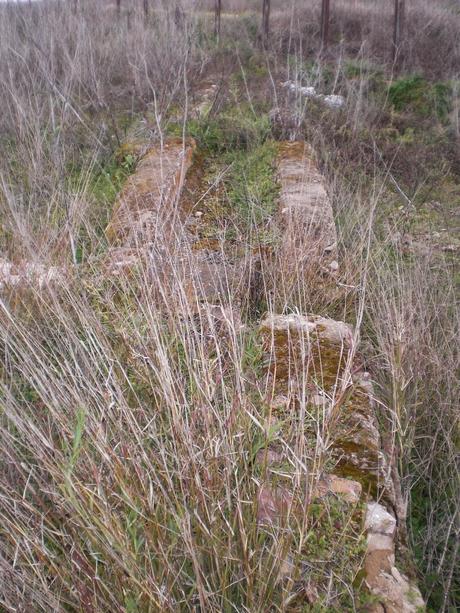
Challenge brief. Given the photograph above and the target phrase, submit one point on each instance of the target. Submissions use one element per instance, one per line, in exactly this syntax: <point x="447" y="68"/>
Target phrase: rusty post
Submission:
<point x="325" y="21"/>
<point x="398" y="31"/>
<point x="265" y="20"/>
<point x="217" y="18"/>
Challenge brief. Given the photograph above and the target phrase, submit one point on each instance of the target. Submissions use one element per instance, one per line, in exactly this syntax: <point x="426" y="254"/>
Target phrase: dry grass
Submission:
<point x="130" y="423"/>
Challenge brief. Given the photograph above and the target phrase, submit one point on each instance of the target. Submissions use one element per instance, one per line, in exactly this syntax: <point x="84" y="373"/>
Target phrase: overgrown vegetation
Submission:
<point x="238" y="189"/>
<point x="129" y="431"/>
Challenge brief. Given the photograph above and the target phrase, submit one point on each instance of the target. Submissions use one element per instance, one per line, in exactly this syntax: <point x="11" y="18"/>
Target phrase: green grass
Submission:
<point x="237" y="160"/>
<point x="243" y="195"/>
<point x="235" y="128"/>
<point x="332" y="523"/>
<point x="251" y="185"/>
<point x="100" y="183"/>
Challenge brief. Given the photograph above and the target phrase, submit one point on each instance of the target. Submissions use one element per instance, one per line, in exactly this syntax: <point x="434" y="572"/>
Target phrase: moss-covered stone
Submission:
<point x="298" y="346"/>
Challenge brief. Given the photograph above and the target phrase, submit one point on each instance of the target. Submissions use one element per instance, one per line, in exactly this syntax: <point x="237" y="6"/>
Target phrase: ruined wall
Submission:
<point x="312" y="368"/>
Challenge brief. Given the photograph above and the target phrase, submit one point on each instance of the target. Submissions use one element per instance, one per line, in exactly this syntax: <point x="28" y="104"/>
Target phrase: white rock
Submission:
<point x="364" y="381"/>
<point x="308" y="92"/>
<point x="397" y="593"/>
<point x="349" y="490"/>
<point x="379" y="520"/>
<point x="334" y="265"/>
<point x="336" y="332"/>
<point x="29" y="273"/>
<point x="381" y="542"/>
<point x="334" y="102"/>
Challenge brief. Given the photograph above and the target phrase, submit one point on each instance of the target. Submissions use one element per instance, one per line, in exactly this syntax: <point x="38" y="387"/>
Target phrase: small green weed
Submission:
<point x="101" y="183"/>
<point x="235" y="129"/>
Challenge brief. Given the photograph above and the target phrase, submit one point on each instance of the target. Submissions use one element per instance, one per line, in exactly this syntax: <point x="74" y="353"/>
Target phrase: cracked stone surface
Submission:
<point x="151" y="223"/>
<point x="305" y="343"/>
<point x="309" y="235"/>
<point x="149" y="199"/>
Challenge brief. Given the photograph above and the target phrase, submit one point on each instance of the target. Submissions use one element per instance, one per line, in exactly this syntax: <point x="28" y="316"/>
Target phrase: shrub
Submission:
<point x="415" y="94"/>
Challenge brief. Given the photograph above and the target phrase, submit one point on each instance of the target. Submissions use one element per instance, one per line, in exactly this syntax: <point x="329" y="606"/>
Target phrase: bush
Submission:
<point x="415" y="94"/>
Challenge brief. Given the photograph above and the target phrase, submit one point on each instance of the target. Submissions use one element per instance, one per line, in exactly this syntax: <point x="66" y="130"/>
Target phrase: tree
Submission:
<point x="265" y="19"/>
<point x="146" y="8"/>
<point x="325" y="20"/>
<point x="218" y="14"/>
<point x="118" y="8"/>
<point x="398" y="31"/>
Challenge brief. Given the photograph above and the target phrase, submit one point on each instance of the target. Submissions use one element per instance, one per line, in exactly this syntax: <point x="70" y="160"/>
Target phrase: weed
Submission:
<point x="101" y="183"/>
<point x="231" y="130"/>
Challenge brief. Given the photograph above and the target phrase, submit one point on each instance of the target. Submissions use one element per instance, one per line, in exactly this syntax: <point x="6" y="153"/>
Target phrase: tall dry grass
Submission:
<point x="129" y="422"/>
<point x="70" y="82"/>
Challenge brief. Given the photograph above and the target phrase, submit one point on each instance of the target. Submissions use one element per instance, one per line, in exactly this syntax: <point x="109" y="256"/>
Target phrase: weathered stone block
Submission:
<point x="299" y="346"/>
